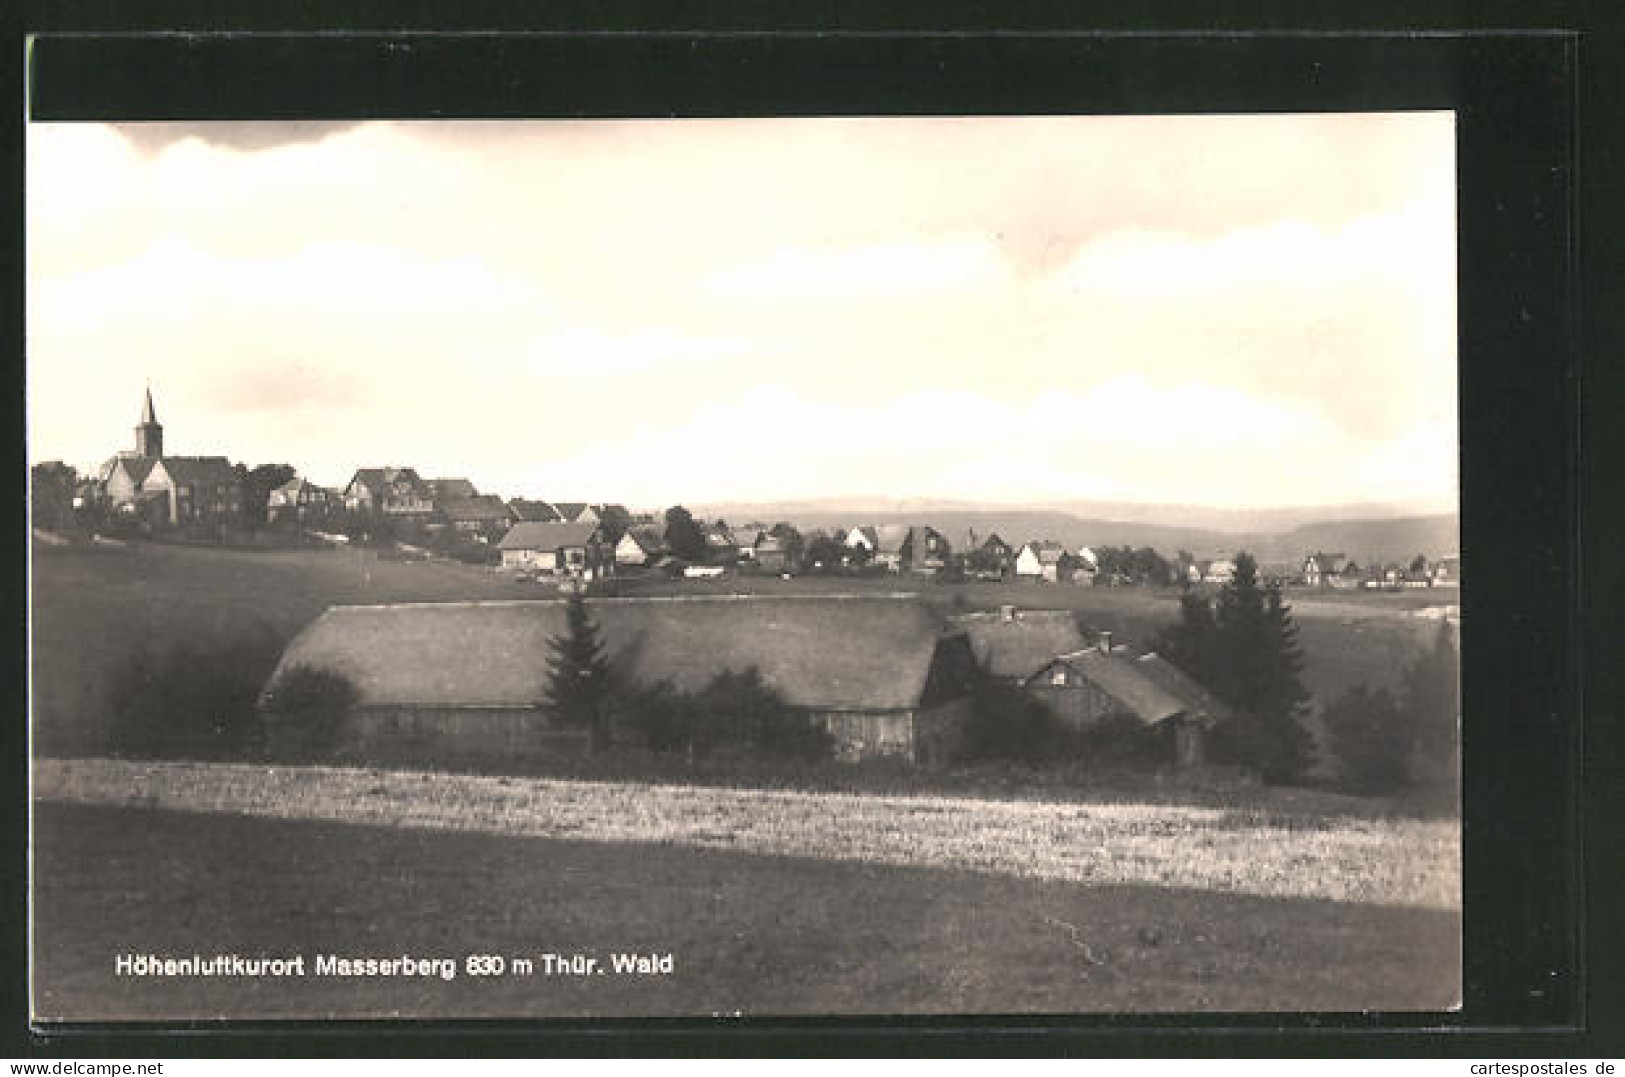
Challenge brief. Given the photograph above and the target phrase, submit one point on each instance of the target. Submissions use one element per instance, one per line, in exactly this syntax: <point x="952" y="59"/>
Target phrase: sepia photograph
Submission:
<point x="735" y="567"/>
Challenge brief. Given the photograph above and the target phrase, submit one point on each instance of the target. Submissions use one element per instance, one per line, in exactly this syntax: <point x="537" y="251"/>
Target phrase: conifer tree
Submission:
<point x="578" y="678"/>
<point x="1245" y="650"/>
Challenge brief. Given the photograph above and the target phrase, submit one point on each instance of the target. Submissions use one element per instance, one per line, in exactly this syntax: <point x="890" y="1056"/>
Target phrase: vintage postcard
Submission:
<point x="795" y="566"/>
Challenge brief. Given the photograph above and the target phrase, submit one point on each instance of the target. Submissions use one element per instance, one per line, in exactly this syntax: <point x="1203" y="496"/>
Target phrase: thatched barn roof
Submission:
<point x="1017" y="643"/>
<point x="821" y="652"/>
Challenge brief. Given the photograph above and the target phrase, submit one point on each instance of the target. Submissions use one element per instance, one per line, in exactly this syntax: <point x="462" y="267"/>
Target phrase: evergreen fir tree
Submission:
<point x="1285" y="699"/>
<point x="1245" y="650"/>
<point x="578" y="678"/>
<point x="1192" y="643"/>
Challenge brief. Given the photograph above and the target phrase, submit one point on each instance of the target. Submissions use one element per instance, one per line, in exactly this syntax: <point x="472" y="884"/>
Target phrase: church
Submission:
<point x="173" y="490"/>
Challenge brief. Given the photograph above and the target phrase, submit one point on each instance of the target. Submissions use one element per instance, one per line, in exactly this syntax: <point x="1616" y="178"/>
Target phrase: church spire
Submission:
<point x="149" y="433"/>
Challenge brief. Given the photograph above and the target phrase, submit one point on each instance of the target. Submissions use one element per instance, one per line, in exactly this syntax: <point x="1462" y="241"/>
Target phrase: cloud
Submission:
<point x="152" y="137"/>
<point x="876" y="273"/>
<point x="1127" y="438"/>
<point x="959" y="307"/>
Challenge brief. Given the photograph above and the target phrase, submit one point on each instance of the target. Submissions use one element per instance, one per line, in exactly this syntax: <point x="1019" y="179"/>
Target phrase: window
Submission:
<point x="1058" y="677"/>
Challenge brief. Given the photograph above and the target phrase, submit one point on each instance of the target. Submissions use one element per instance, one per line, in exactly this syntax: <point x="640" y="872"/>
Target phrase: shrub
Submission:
<point x="735" y="712"/>
<point x="306" y="712"/>
<point x="1007" y="724"/>
<point x="1371" y="739"/>
<point x="193" y="701"/>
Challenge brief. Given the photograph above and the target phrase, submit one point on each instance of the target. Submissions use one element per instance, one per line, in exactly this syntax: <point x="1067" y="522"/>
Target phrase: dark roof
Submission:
<point x="451" y="489"/>
<point x="137" y="467"/>
<point x="1199" y="702"/>
<point x="200" y="470"/>
<point x="1019" y="647"/>
<point x="376" y="478"/>
<point x="569" y="510"/>
<point x="531" y="535"/>
<point x="647" y="537"/>
<point x="534" y="511"/>
<point x="1122" y="678"/>
<point x="822" y="652"/>
<point x="479" y="507"/>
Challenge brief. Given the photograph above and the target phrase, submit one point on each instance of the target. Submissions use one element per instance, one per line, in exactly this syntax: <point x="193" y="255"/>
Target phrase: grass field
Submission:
<point x="1275" y="853"/>
<point x="748" y="933"/>
<point x="92" y="606"/>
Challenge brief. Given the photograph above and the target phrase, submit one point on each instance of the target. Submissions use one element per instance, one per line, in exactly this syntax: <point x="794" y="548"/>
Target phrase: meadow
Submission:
<point x="1377" y="860"/>
<point x="750" y="934"/>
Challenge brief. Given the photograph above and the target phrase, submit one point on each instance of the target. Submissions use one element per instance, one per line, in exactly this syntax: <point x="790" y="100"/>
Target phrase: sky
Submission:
<point x="1231" y="311"/>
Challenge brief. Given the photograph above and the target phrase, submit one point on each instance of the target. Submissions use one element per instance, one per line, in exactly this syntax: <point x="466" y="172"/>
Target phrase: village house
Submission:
<point x="172" y="490"/>
<point x="894" y="547"/>
<point x="576" y="512"/>
<point x="556" y="549"/>
<point x="299" y="499"/>
<point x="1087" y="566"/>
<point x="639" y="546"/>
<point x="1447" y="572"/>
<point x="771" y="552"/>
<point x="1045" y="560"/>
<point x="1012" y="644"/>
<point x="394" y="492"/>
<point x="721" y="547"/>
<point x="747" y="538"/>
<point x="877" y="671"/>
<point x="862" y="541"/>
<point x="1327" y="569"/>
<point x="527" y="511"/>
<point x="1085" y="688"/>
<point x="484" y="516"/>
<point x="441" y="490"/>
<point x="986" y="558"/>
<point x="1219" y="570"/>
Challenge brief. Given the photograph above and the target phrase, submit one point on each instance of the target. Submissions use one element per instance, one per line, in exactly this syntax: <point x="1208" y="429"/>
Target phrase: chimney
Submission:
<point x="1007" y="614"/>
<point x="1105" y="642"/>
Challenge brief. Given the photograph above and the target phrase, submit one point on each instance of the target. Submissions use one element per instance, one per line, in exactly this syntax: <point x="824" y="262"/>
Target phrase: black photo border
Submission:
<point x="1530" y="972"/>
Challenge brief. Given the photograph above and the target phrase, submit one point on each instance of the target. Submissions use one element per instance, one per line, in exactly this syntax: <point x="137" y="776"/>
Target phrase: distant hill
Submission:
<point x="1368" y="539"/>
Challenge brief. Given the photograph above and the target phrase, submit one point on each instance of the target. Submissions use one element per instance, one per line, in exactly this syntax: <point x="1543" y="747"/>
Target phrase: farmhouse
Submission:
<point x="878" y="671"/>
<point x="576" y="512"/>
<point x="527" y="511"/>
<point x="556" y="549"/>
<point x="1326" y="569"/>
<point x="639" y="546"/>
<point x="1086" y="687"/>
<point x="720" y="545"/>
<point x="1045" y="560"/>
<point x="894" y="547"/>
<point x="1014" y="644"/>
<point x="1222" y="570"/>
<point x="770" y="552"/>
<point x="450" y="489"/>
<point x="389" y="491"/>
<point x="988" y="557"/>
<point x="298" y="499"/>
<point x="484" y="515"/>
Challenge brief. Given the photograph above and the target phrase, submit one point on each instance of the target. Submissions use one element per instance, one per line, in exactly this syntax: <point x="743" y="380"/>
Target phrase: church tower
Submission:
<point x="149" y="435"/>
